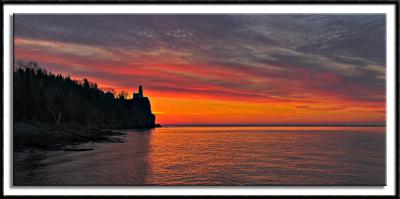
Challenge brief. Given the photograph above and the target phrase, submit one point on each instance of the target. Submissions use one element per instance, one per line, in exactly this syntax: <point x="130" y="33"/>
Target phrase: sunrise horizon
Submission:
<point x="195" y="75"/>
<point x="245" y="99"/>
<point x="272" y="124"/>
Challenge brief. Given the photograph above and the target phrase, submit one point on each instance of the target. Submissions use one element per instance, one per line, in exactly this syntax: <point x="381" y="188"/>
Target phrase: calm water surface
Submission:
<point x="217" y="156"/>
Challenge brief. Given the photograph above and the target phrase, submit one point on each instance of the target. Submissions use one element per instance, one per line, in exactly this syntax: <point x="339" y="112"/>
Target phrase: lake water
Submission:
<point x="217" y="156"/>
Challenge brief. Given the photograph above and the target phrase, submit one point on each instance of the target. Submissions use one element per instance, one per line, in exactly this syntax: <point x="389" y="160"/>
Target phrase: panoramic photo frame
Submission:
<point x="42" y="54"/>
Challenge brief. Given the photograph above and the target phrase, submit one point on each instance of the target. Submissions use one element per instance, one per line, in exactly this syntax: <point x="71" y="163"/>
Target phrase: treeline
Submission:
<point x="41" y="96"/>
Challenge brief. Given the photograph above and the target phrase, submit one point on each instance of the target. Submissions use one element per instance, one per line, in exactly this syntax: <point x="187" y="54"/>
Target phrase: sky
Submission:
<point x="222" y="69"/>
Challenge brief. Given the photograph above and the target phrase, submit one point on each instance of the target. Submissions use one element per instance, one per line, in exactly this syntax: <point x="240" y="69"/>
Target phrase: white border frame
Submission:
<point x="389" y="10"/>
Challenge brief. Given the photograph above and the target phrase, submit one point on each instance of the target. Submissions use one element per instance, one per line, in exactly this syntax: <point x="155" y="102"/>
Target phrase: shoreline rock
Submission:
<point x="41" y="136"/>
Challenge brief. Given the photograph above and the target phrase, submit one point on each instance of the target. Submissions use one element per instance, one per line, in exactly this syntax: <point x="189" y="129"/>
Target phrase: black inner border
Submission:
<point x="218" y="2"/>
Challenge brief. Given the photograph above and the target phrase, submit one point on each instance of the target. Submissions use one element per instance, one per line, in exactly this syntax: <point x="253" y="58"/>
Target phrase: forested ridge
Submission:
<point x="44" y="97"/>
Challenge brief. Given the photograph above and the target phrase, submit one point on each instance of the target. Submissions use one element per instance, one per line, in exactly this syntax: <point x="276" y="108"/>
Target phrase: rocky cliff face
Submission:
<point x="142" y="115"/>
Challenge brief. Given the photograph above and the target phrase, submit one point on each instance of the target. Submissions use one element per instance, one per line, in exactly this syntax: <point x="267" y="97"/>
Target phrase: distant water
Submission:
<point x="217" y="156"/>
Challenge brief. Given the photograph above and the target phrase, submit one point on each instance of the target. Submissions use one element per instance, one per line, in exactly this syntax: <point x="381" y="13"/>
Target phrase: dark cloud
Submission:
<point x="341" y="54"/>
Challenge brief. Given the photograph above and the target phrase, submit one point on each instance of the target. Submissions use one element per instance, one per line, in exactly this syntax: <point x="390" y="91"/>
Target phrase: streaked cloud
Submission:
<point x="323" y="63"/>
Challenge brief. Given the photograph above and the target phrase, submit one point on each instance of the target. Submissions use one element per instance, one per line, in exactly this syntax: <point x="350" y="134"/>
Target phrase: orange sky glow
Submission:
<point x="208" y="83"/>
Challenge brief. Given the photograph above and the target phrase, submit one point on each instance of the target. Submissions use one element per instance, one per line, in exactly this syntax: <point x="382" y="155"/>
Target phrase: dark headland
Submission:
<point x="52" y="111"/>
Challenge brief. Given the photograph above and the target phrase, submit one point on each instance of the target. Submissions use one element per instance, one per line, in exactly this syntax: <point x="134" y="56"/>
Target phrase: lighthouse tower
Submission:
<point x="138" y="95"/>
<point x="140" y="91"/>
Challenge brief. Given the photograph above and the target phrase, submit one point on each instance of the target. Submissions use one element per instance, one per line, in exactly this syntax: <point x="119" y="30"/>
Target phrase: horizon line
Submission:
<point x="277" y="125"/>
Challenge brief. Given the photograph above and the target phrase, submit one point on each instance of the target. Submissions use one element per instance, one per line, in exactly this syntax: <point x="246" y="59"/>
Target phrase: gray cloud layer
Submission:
<point x="349" y="48"/>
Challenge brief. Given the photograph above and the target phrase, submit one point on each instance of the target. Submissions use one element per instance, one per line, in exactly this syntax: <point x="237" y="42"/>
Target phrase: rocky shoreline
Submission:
<point x="29" y="136"/>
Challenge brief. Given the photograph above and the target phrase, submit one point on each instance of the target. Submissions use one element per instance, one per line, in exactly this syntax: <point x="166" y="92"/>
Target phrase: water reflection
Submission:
<point x="26" y="172"/>
<point x="109" y="164"/>
<point x="218" y="156"/>
<point x="268" y="156"/>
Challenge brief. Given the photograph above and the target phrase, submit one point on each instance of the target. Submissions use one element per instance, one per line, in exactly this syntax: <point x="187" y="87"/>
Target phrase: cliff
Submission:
<point x="142" y="115"/>
<point x="41" y="96"/>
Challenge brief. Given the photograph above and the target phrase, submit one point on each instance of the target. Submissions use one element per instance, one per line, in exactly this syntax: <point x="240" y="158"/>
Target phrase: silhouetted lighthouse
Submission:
<point x="140" y="91"/>
<point x="140" y="94"/>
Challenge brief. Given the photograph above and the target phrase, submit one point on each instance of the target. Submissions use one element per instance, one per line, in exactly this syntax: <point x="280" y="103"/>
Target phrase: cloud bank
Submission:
<point x="275" y="59"/>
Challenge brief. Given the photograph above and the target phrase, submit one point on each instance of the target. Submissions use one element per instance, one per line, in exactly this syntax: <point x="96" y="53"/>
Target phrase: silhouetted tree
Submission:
<point x="44" y="97"/>
<point x="123" y="95"/>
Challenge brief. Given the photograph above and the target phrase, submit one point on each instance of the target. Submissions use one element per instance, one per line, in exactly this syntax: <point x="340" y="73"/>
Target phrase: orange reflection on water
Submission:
<point x="217" y="156"/>
<point x="267" y="155"/>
